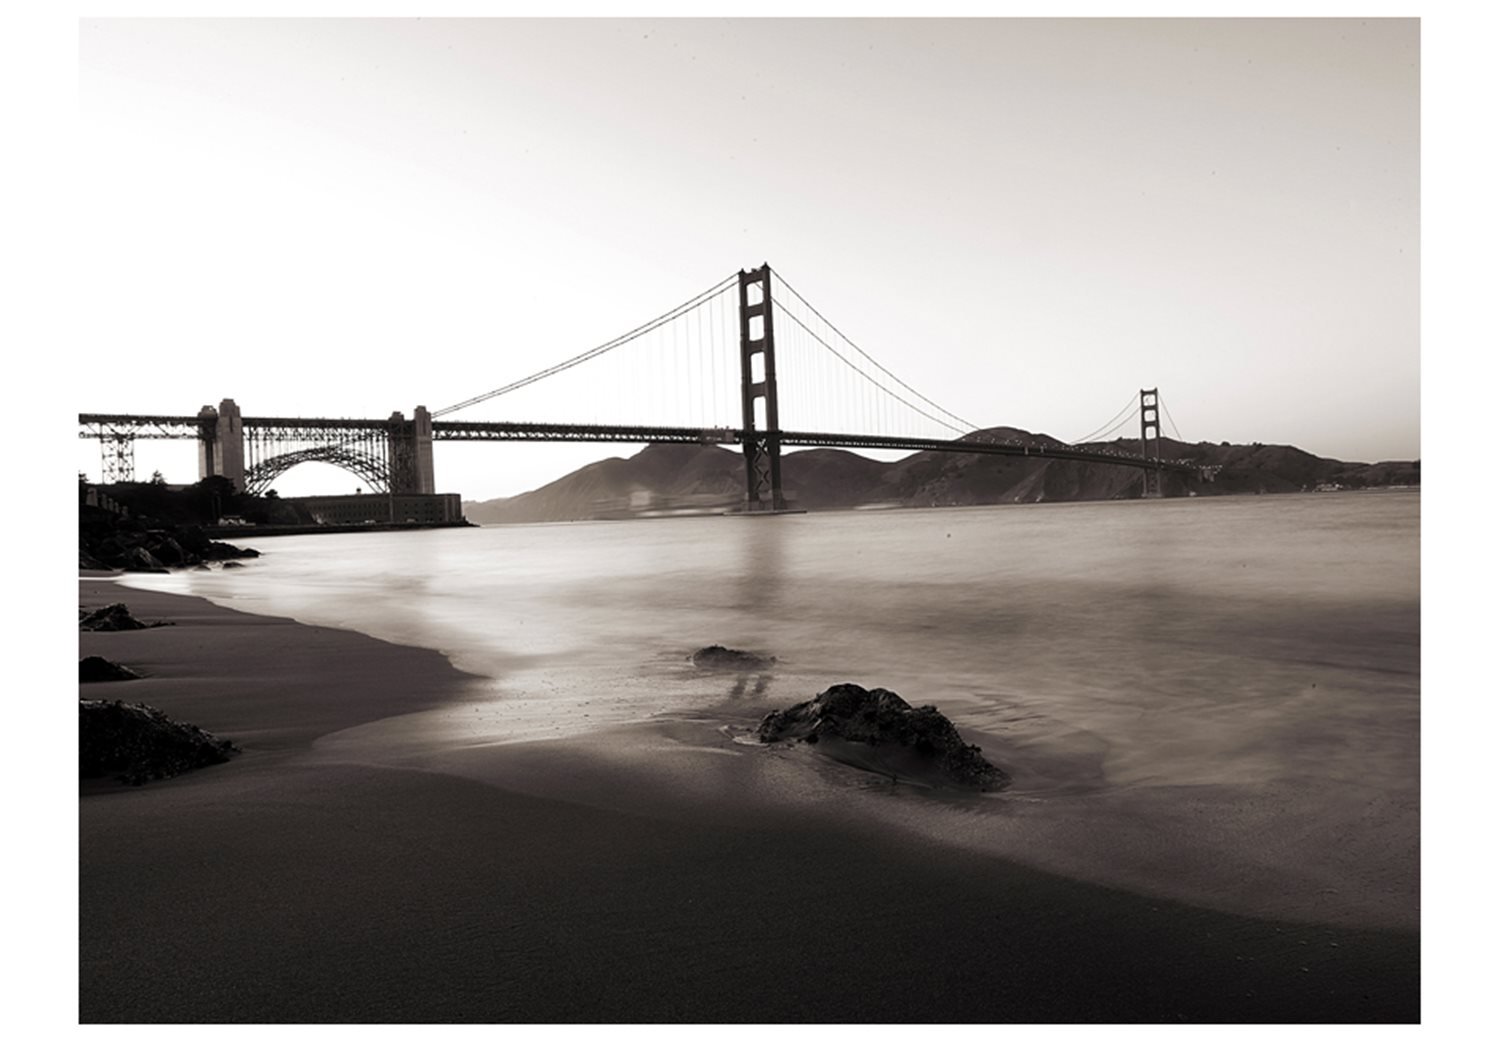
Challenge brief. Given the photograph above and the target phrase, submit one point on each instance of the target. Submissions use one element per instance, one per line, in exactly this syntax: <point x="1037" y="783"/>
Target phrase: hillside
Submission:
<point x="707" y="478"/>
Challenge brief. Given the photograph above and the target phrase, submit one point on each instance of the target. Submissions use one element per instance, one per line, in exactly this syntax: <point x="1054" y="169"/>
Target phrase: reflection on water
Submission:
<point x="761" y="567"/>
<point x="1229" y="671"/>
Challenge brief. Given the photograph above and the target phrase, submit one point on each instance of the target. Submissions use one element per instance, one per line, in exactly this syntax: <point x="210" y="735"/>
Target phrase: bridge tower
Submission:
<point x="221" y="443"/>
<point x="1150" y="444"/>
<point x="409" y="453"/>
<point x="762" y="441"/>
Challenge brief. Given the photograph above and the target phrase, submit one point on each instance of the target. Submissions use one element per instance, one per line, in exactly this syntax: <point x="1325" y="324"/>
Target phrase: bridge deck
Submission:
<point x="102" y="425"/>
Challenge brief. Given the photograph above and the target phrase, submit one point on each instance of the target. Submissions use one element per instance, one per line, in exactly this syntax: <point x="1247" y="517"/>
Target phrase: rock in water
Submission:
<point x="716" y="656"/>
<point x="225" y="552"/>
<point x="138" y="743"/>
<point x="94" y="669"/>
<point x="882" y="719"/>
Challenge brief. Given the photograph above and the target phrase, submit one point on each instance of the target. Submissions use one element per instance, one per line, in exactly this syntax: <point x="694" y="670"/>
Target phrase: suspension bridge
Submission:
<point x="747" y="363"/>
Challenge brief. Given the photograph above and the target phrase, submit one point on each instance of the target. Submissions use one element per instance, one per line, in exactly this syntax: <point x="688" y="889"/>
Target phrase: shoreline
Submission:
<point x="302" y="882"/>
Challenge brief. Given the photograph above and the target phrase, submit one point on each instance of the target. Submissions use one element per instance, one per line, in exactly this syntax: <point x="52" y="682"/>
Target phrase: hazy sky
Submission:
<point x="1028" y="220"/>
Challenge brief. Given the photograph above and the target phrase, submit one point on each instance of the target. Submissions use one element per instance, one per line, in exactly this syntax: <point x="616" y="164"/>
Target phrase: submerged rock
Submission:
<point x="138" y="743"/>
<point x="112" y="618"/>
<point x="94" y="669"/>
<point x="883" y="720"/>
<point x="716" y="656"/>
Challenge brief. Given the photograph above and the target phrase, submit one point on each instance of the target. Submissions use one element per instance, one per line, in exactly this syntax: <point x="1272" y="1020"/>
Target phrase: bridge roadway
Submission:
<point x="95" y="425"/>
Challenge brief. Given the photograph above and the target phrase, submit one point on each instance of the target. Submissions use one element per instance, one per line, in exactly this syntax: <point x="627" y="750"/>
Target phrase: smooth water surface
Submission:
<point x="1194" y="696"/>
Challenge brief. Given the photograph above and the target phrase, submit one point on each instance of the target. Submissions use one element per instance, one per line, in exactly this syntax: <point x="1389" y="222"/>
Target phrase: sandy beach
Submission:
<point x="625" y="877"/>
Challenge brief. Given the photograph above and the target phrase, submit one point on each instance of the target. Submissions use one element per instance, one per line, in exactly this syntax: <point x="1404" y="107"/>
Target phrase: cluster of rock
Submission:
<point x="716" y="656"/>
<point x="111" y="619"/>
<point x="138" y="743"/>
<point x="130" y="545"/>
<point x="95" y="669"/>
<point x="878" y="717"/>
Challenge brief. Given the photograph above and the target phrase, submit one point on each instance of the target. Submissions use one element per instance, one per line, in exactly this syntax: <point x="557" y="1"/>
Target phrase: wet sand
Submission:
<point x="627" y="877"/>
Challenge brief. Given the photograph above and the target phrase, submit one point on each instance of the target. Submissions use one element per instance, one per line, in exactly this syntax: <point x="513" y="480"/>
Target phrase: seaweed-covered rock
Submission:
<point x="114" y="617"/>
<point x="883" y="719"/>
<point x="716" y="656"/>
<point x="138" y="743"/>
<point x="94" y="669"/>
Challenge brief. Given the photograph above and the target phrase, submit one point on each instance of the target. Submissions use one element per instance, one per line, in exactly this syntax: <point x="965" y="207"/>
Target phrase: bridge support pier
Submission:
<point x="1150" y="445"/>
<point x="762" y="442"/>
<point x="409" y="453"/>
<point x="221" y="443"/>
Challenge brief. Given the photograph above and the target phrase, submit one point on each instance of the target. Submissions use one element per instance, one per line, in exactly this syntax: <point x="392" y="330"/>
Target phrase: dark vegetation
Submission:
<point x="924" y="740"/>
<point x="667" y="478"/>
<point x="137" y="743"/>
<point x="151" y="526"/>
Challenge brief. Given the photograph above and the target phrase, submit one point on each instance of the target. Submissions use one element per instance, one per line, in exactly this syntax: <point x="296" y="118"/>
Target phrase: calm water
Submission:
<point x="1214" y="699"/>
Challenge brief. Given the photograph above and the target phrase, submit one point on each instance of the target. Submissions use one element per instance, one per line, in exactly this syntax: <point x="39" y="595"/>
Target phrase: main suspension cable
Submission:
<point x="1168" y="415"/>
<point x="595" y="352"/>
<point x="866" y="375"/>
<point x="1105" y="435"/>
<point x="967" y="427"/>
<point x="1106" y="426"/>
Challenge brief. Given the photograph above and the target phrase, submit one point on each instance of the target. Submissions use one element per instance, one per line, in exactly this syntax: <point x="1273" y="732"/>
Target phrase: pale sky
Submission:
<point x="1027" y="220"/>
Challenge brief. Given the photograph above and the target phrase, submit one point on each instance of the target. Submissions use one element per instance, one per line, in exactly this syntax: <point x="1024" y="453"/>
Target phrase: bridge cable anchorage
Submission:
<point x="877" y="384"/>
<point x="1118" y="420"/>
<point x="968" y="427"/>
<point x="595" y="352"/>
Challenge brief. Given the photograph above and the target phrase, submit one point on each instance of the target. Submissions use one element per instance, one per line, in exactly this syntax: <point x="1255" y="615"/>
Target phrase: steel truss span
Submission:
<point x="93" y="425"/>
<point x="375" y="473"/>
<point x="117" y="425"/>
<point x="271" y="445"/>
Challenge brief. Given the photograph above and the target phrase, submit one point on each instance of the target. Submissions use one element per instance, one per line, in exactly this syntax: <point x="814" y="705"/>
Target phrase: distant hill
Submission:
<point x="686" y="478"/>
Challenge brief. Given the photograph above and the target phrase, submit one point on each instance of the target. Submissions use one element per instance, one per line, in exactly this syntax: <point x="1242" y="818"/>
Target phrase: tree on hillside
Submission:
<point x="211" y="497"/>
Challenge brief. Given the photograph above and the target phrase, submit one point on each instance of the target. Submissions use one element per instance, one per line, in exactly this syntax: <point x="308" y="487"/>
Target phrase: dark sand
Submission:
<point x="292" y="885"/>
